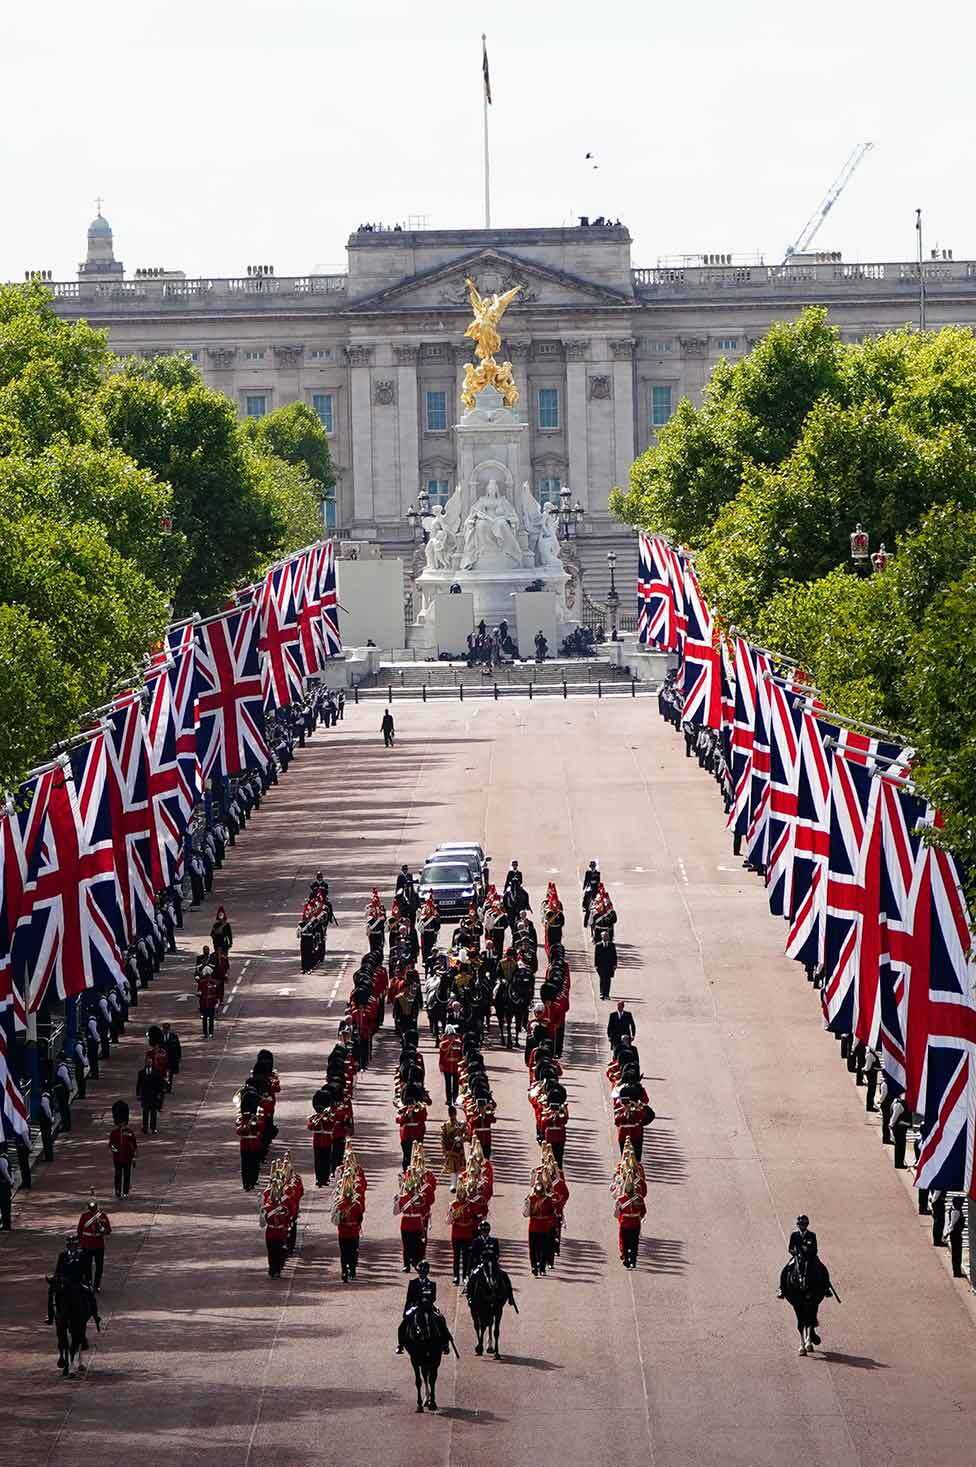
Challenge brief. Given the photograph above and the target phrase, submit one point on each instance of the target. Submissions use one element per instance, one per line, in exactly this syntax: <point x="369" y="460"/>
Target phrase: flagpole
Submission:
<point x="484" y="104"/>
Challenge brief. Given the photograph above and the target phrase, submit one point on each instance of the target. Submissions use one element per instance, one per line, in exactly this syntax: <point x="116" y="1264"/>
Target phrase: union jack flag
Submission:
<point x="749" y="666"/>
<point x="310" y="610"/>
<point x="784" y="740"/>
<point x="14" y="1112"/>
<point x="280" y="644"/>
<point x="902" y="816"/>
<point x="71" y="929"/>
<point x="131" y="813"/>
<point x="702" y="674"/>
<point x="331" y="637"/>
<point x="230" y="703"/>
<point x="20" y="832"/>
<point x="853" y="892"/>
<point x="759" y="774"/>
<point x="940" y="1037"/>
<point x="811" y="839"/>
<point x="657" y="624"/>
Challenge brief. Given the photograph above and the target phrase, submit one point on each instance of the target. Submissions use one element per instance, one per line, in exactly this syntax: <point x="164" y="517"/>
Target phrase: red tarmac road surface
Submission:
<point x="688" y="1360"/>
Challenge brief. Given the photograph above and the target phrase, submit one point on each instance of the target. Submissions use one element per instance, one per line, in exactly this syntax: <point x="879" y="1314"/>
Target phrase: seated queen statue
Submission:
<point x="491" y="533"/>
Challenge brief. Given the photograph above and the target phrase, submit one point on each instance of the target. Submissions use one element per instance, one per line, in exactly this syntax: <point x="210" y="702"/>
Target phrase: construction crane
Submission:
<point x="810" y="230"/>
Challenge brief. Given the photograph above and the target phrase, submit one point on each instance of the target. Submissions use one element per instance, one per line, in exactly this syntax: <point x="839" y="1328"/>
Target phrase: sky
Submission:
<point x="225" y="134"/>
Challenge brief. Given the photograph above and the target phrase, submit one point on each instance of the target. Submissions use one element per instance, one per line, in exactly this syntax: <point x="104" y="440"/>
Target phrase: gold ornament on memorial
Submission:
<point x="483" y="331"/>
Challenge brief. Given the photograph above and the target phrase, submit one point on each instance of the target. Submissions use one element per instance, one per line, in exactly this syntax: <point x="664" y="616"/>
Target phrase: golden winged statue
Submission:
<point x="483" y="331"/>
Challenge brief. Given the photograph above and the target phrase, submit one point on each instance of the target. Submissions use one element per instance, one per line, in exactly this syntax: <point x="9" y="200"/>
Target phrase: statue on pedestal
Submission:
<point x="491" y="531"/>
<point x="441" y="543"/>
<point x="483" y="331"/>
<point x="548" y="553"/>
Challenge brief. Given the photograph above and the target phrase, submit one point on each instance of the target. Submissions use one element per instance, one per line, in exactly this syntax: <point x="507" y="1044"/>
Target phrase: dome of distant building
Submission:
<point x="99" y="228"/>
<point x="100" y="256"/>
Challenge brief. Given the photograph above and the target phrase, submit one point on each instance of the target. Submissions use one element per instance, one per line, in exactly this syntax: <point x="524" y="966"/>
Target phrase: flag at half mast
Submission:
<point x="484" y="69"/>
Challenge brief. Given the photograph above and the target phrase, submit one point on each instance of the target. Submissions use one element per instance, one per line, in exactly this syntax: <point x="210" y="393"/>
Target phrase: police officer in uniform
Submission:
<point x="421" y="1296"/>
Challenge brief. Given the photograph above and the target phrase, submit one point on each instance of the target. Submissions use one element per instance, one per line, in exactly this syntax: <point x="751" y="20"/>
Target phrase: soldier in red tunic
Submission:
<point x="463" y="1217"/>
<point x="321" y="1123"/>
<point x="347" y="1214"/>
<point x="276" y="1221"/>
<point x="250" y="1131"/>
<point x="630" y="1209"/>
<point x="122" y="1143"/>
<point x="540" y="1210"/>
<point x="93" y="1228"/>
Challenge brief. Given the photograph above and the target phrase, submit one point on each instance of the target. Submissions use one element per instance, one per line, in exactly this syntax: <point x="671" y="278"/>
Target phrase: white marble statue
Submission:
<point x="491" y="530"/>
<point x="441" y="543"/>
<point x="530" y="511"/>
<point x="547" y="552"/>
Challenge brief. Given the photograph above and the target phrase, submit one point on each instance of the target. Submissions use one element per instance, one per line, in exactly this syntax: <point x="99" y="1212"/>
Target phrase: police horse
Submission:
<point x="74" y="1306"/>
<point x="488" y="1290"/>
<point x="805" y="1284"/>
<point x="427" y="1338"/>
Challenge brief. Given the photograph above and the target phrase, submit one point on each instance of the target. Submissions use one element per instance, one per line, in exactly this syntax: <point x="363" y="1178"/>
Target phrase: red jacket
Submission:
<point x="208" y="992"/>
<point x="464" y="1220"/>
<point x="123" y="1144"/>
<point x="629" y="1211"/>
<point x="414" y="1210"/>
<point x="93" y="1228"/>
<point x="322" y="1127"/>
<point x="249" y="1130"/>
<point x="412" y="1120"/>
<point x="542" y="1214"/>
<point x="450" y="1051"/>
<point x="157" y="1057"/>
<point x="350" y="1217"/>
<point x="277" y="1222"/>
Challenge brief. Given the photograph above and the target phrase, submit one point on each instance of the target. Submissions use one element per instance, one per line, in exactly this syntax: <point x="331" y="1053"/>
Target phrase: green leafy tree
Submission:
<point x="295" y="434"/>
<point x="294" y="501"/>
<point x="751" y="415"/>
<point x="160" y="413"/>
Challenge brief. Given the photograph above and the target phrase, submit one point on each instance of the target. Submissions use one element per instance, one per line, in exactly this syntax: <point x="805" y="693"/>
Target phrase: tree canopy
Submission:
<point x="97" y="457"/>
<point x="792" y="447"/>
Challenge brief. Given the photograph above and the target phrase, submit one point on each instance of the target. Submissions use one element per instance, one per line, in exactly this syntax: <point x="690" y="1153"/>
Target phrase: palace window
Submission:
<point x="438" y="491"/>
<point x="323" y="405"/>
<point x="254" y="356"/>
<point x="548" y="407"/>
<point x="547" y="490"/>
<point x="436" y="412"/>
<point x="256" y="404"/>
<point x="660" y="348"/>
<point x="329" y="510"/>
<point x="727" y="343"/>
<point x="661" y="408"/>
<point x="321" y="354"/>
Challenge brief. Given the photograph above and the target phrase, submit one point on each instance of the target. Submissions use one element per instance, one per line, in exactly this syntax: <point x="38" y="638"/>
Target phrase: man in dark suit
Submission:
<point x="149" y="1092"/>
<point x="605" y="962"/>
<point x="619" y="1024"/>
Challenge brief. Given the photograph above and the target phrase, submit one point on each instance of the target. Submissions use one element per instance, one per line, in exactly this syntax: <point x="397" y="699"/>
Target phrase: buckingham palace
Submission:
<point x="602" y="350"/>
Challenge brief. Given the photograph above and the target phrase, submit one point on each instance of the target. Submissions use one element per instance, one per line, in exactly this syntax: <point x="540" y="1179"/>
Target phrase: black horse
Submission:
<point x="427" y="1339"/>
<point x="521" y="991"/>
<point x="504" y="1012"/>
<point x="488" y="1290"/>
<point x="805" y="1283"/>
<point x="74" y="1305"/>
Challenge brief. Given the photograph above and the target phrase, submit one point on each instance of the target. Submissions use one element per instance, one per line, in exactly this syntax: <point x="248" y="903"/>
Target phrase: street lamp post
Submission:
<point x="859" y="548"/>
<point x="569" y="516"/>
<point x="613" y="596"/>
<point x="418" y="515"/>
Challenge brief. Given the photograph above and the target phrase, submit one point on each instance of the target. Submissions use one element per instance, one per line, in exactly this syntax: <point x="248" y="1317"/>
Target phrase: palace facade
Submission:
<point x="602" y="350"/>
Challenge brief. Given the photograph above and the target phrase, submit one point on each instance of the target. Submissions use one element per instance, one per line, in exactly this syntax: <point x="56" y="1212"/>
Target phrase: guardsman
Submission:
<point x="321" y="1123"/>
<point x="412" y="1121"/>
<point x="276" y="1221"/>
<point x="122" y="1143"/>
<point x="208" y="991"/>
<point x="250" y="1132"/>
<point x="413" y="1208"/>
<point x="453" y="1136"/>
<point x="540" y="1210"/>
<point x="464" y="1221"/>
<point x="347" y="1214"/>
<point x="449" y="1058"/>
<point x="630" y="1208"/>
<point x="93" y="1228"/>
<point x="630" y="1115"/>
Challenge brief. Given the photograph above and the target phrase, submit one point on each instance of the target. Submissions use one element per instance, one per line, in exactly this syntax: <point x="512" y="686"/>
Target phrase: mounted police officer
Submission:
<point x="419" y="1305"/>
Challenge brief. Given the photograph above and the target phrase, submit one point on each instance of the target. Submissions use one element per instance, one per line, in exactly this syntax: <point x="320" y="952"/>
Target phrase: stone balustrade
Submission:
<point x="800" y="278"/>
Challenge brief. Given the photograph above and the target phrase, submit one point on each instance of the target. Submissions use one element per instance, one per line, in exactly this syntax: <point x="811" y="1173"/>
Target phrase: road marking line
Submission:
<point x="681" y="871"/>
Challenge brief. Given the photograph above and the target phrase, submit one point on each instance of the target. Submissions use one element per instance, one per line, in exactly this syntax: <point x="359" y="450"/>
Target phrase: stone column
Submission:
<point x="623" y="409"/>
<point x="408" y="457"/>
<point x="361" y="424"/>
<point x="518" y="353"/>
<point x="577" y="352"/>
<point x="461" y="355"/>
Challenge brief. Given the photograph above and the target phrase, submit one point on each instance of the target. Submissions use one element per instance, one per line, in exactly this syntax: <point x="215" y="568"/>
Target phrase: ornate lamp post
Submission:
<point x="613" y="596"/>
<point x="569" y="517"/>
<point x="859" y="547"/>
<point x="418" y="515"/>
<point x="880" y="558"/>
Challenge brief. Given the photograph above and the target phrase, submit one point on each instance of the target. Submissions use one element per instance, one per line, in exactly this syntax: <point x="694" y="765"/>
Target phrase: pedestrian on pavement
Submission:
<point x="123" y="1146"/>
<point x="45" y="1121"/>
<point x="6" y="1190"/>
<point x="605" y="962"/>
<point x="174" y="1054"/>
<point x="953" y="1234"/>
<point x="387" y="728"/>
<point x="901" y="1119"/>
<point x="93" y="1228"/>
<point x="620" y="1025"/>
<point x="61" y="1090"/>
<point x="937" y="1207"/>
<point x="149" y="1093"/>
